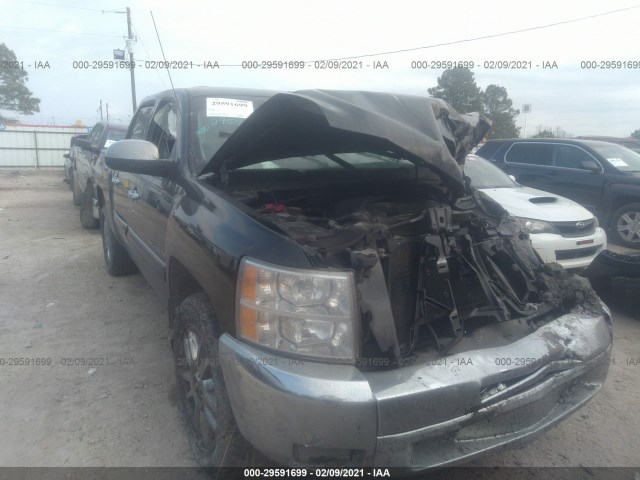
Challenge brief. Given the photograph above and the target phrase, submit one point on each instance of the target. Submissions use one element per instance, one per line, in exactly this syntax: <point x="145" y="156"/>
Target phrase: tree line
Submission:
<point x="457" y="87"/>
<point x="14" y="94"/>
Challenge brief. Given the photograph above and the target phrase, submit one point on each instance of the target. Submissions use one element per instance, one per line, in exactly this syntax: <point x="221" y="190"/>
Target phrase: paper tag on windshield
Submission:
<point x="229" y="107"/>
<point x="617" y="162"/>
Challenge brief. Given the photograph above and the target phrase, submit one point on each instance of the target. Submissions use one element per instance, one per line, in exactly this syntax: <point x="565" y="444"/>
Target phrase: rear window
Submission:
<point x="531" y="154"/>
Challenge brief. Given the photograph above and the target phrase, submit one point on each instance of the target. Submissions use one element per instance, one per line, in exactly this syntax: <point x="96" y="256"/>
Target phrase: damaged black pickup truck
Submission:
<point x="337" y="291"/>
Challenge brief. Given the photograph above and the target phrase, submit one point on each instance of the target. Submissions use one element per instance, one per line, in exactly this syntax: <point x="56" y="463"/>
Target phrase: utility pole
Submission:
<point x="130" y="44"/>
<point x="101" y="110"/>
<point x="107" y="113"/>
<point x="131" y="64"/>
<point x="526" y="108"/>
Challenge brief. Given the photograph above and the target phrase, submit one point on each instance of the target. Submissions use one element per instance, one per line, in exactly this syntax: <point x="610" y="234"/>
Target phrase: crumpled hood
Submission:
<point x="424" y="130"/>
<point x="531" y="203"/>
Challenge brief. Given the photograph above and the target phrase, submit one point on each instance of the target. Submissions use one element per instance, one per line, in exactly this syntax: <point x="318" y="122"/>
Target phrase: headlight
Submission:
<point x="537" y="226"/>
<point x="304" y="312"/>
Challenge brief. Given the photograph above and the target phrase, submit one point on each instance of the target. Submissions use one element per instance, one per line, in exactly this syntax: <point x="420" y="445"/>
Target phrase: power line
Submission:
<point x="165" y="58"/>
<point x="138" y="37"/>
<point x="484" y="37"/>
<point x="61" y="6"/>
<point x="61" y="31"/>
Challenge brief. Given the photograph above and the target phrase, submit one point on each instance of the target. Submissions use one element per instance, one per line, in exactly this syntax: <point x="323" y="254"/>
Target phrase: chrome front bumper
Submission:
<point x="432" y="413"/>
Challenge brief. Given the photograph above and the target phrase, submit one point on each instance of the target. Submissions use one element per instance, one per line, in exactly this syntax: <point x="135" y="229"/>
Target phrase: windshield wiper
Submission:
<point x="338" y="160"/>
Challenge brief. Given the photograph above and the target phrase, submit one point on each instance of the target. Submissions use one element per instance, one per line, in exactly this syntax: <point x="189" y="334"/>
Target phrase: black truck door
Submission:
<point x="123" y="186"/>
<point x="152" y="197"/>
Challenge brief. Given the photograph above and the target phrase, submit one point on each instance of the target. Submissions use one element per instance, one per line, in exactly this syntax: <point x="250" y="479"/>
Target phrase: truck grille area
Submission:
<point x="402" y="284"/>
<point x="576" y="229"/>
<point x="426" y="273"/>
<point x="443" y="285"/>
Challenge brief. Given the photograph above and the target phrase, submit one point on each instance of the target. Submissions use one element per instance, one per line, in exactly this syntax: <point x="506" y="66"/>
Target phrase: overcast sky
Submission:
<point x="580" y="100"/>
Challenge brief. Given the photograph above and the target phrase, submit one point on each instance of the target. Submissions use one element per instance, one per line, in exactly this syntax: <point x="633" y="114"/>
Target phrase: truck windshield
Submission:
<point x="213" y="118"/>
<point x="333" y="161"/>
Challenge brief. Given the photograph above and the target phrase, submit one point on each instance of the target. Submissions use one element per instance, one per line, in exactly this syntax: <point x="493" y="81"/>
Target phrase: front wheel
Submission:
<point x="67" y="177"/>
<point x="75" y="192"/>
<point x="626" y="225"/>
<point x="86" y="210"/>
<point x="212" y="430"/>
<point x="116" y="258"/>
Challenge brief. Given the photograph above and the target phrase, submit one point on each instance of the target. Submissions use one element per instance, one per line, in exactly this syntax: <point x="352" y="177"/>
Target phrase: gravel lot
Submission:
<point x="57" y="302"/>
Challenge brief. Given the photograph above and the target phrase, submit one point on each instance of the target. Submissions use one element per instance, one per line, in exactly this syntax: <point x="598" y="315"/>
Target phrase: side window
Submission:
<point x="96" y="133"/>
<point x="568" y="156"/>
<point x="140" y="122"/>
<point x="162" y="129"/>
<point x="530" y="153"/>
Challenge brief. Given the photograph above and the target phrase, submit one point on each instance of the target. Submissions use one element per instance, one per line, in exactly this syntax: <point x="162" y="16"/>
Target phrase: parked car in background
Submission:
<point x="561" y="230"/>
<point x="337" y="293"/>
<point x="629" y="142"/>
<point x="68" y="159"/>
<point x="86" y="153"/>
<point x="603" y="177"/>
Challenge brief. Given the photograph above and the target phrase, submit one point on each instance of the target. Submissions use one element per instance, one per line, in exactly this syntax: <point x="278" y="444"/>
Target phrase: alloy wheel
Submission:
<point x="199" y="388"/>
<point x="629" y="226"/>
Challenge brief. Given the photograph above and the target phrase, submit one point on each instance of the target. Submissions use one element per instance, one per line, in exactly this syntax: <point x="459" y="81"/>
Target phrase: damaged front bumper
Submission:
<point x="569" y="252"/>
<point x="434" y="412"/>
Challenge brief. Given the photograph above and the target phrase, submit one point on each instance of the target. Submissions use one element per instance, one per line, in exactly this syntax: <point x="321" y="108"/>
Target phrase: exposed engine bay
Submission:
<point x="434" y="259"/>
<point x="439" y="270"/>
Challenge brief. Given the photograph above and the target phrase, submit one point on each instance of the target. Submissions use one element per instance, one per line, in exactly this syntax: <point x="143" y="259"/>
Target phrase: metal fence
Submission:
<point x="35" y="146"/>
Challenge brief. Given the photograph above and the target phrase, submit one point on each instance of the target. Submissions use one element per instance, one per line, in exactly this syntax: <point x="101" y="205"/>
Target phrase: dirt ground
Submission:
<point x="103" y="393"/>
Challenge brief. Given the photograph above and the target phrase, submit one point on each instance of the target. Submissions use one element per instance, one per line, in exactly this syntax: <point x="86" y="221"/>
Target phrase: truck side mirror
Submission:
<point x="137" y="156"/>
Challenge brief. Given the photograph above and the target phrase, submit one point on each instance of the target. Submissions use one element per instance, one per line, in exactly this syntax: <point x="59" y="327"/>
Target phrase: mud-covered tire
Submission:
<point x="213" y="434"/>
<point x="75" y="192"/>
<point x="116" y="259"/>
<point x="86" y="211"/>
<point x="625" y="225"/>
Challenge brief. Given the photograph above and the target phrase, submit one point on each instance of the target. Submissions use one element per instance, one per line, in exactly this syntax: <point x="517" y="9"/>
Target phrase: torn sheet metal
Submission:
<point x="424" y="130"/>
